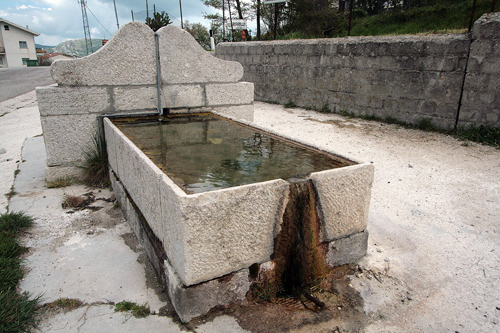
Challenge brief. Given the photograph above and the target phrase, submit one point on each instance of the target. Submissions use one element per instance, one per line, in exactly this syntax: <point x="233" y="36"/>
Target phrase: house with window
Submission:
<point x="17" y="44"/>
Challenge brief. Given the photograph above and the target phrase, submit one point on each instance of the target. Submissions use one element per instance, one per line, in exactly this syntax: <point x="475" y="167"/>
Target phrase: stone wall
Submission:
<point x="121" y="78"/>
<point x="405" y="77"/>
<point x="481" y="98"/>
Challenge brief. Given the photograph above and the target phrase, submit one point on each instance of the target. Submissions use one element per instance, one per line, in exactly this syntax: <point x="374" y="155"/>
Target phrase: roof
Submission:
<point x="19" y="27"/>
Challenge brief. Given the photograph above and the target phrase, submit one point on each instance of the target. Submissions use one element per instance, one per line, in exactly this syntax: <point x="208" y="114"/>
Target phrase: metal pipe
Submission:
<point x="116" y="14"/>
<point x="472" y="16"/>
<point x="158" y="75"/>
<point x="180" y="7"/>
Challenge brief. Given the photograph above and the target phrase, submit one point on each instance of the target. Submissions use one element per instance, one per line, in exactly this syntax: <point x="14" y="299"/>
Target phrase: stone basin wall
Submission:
<point x="208" y="241"/>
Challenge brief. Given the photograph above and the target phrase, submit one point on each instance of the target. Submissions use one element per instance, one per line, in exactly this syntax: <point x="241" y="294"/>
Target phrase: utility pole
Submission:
<point x="223" y="22"/>
<point x="180" y="6"/>
<point x="86" y="30"/>
<point x="230" y="19"/>
<point x="258" y="19"/>
<point x="116" y="14"/>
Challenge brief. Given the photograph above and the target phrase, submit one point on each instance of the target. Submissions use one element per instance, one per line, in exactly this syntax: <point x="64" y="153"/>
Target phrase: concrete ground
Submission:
<point x="433" y="256"/>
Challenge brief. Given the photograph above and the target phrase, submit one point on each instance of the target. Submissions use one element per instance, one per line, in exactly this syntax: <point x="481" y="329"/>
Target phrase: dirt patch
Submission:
<point x="343" y="310"/>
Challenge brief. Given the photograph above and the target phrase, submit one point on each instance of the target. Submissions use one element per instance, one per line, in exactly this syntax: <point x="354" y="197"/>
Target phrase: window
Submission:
<point x="6" y="27"/>
<point x="25" y="61"/>
<point x="23" y="45"/>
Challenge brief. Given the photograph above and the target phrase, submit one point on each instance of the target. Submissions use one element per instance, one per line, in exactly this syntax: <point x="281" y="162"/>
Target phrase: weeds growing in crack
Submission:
<point x="137" y="310"/>
<point x="67" y="304"/>
<point x="60" y="182"/>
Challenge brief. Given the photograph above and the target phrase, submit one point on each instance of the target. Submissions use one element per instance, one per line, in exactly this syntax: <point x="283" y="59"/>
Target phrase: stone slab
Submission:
<point x="229" y="93"/>
<point x="173" y="232"/>
<point x="66" y="137"/>
<point x="348" y="249"/>
<point x="236" y="112"/>
<point x="183" y="60"/>
<point x="54" y="101"/>
<point x="109" y="135"/>
<point x="135" y="98"/>
<point x="128" y="58"/>
<point x="183" y="96"/>
<point x="344" y="198"/>
<point x="230" y="229"/>
<point x="53" y="173"/>
<point x="197" y="300"/>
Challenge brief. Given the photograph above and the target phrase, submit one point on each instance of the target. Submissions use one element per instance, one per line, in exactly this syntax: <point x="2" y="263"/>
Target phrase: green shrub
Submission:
<point x="95" y="166"/>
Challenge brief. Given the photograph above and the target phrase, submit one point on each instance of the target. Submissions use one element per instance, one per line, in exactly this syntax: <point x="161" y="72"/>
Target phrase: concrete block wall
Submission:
<point x="405" y="77"/>
<point x="122" y="78"/>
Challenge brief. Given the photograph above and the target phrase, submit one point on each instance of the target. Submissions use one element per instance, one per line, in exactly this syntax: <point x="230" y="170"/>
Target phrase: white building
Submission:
<point x="17" y="44"/>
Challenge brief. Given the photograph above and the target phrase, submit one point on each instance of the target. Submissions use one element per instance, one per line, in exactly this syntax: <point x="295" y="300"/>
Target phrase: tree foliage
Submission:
<point x="159" y="19"/>
<point x="239" y="10"/>
<point x="199" y="32"/>
<point x="315" y="18"/>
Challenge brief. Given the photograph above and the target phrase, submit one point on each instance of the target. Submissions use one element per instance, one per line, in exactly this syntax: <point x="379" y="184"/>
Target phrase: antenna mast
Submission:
<point x="86" y="30"/>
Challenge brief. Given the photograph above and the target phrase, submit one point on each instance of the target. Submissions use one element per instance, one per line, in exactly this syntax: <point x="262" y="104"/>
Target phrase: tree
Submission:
<point x="239" y="9"/>
<point x="267" y="13"/>
<point x="159" y="19"/>
<point x="314" y="18"/>
<point x="199" y="32"/>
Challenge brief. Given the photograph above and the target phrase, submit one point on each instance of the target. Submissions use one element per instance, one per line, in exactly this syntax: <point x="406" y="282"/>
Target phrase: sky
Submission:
<point x="59" y="20"/>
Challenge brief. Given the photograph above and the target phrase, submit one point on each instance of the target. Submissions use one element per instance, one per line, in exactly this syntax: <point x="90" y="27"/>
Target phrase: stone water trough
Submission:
<point x="208" y="248"/>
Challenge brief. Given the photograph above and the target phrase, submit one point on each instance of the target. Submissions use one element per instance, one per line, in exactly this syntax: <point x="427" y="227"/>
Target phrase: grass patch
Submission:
<point x="67" y="304"/>
<point x="137" y="310"/>
<point x="272" y="102"/>
<point x="482" y="134"/>
<point x="268" y="292"/>
<point x="17" y="311"/>
<point x="61" y="182"/>
<point x="425" y="124"/>
<point x="395" y="121"/>
<point x="486" y="135"/>
<point x="369" y="117"/>
<point x="10" y="194"/>
<point x="289" y="105"/>
<point x="348" y="114"/>
<point x="451" y="17"/>
<point x="72" y="201"/>
<point x="325" y="108"/>
<point x="16" y="172"/>
<point x="95" y="166"/>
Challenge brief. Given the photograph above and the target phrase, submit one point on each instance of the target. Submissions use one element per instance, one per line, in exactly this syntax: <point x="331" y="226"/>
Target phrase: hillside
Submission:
<point x="72" y="47"/>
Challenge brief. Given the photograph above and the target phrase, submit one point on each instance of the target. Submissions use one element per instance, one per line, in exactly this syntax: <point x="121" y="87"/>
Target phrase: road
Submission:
<point x="18" y="81"/>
